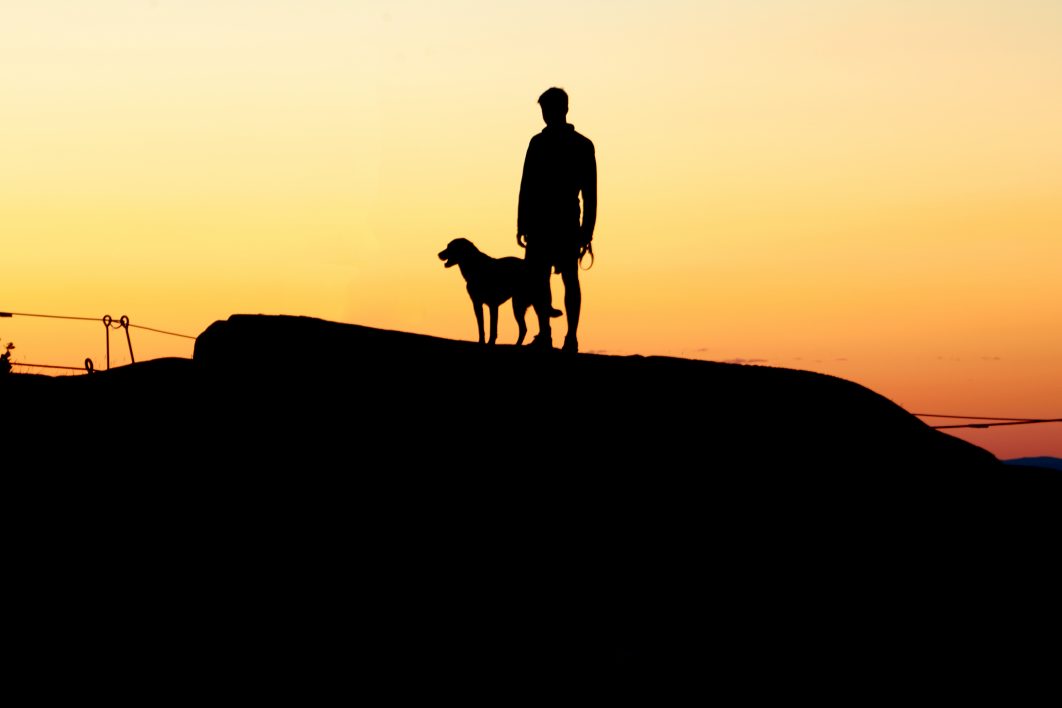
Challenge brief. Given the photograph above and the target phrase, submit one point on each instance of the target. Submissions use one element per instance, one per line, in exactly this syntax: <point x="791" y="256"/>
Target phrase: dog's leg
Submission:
<point x="520" y="312"/>
<point x="478" y="307"/>
<point x="493" y="323"/>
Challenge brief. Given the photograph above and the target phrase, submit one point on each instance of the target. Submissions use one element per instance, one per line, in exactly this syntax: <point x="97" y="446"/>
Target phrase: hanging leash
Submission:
<point x="587" y="250"/>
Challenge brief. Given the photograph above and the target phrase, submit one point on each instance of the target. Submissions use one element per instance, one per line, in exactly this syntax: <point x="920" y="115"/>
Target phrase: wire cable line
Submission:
<point x="109" y="323"/>
<point x="996" y="420"/>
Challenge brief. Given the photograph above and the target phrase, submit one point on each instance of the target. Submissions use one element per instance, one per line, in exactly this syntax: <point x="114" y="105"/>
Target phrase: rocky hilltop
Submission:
<point x="306" y="504"/>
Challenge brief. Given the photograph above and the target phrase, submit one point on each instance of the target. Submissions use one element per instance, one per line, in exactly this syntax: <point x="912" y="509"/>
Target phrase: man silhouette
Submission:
<point x="559" y="166"/>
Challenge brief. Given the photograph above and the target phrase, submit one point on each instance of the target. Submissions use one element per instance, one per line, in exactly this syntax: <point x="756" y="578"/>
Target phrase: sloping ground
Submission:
<point x="530" y="408"/>
<point x="301" y="386"/>
<point x="307" y="505"/>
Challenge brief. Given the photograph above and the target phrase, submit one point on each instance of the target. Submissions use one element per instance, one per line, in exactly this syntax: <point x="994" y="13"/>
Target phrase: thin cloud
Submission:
<point x="739" y="360"/>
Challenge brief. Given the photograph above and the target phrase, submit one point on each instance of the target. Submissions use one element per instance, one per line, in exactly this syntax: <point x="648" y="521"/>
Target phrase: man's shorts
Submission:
<point x="558" y="249"/>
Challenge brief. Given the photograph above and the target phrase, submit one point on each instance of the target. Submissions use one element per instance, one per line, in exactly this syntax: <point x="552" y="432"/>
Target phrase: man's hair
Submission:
<point x="554" y="99"/>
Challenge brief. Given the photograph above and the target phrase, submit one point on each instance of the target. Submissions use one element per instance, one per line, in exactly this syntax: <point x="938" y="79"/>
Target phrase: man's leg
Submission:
<point x="542" y="297"/>
<point x="573" y="301"/>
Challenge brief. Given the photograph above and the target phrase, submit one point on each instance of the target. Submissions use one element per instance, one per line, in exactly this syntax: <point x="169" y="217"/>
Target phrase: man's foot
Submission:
<point x="571" y="345"/>
<point x="541" y="342"/>
<point x="554" y="312"/>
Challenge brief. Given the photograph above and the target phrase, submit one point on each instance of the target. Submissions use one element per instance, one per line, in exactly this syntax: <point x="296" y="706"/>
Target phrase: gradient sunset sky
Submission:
<point x="867" y="189"/>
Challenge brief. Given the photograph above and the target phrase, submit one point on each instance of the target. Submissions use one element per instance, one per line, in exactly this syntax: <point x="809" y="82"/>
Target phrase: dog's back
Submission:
<point x="501" y="279"/>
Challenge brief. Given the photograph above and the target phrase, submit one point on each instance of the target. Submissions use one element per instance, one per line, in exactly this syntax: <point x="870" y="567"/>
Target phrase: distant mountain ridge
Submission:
<point x="1051" y="463"/>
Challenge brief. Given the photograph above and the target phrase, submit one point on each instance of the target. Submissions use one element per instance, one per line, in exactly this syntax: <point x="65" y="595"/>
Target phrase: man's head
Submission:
<point x="554" y="104"/>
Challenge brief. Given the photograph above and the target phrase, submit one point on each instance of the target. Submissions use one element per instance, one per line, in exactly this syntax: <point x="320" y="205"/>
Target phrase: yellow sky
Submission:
<point x="868" y="189"/>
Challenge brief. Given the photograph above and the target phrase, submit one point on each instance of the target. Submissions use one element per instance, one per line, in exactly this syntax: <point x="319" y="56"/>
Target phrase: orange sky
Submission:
<point x="865" y="189"/>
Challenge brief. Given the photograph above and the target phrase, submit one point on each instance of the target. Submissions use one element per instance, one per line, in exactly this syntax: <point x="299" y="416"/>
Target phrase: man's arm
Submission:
<point x="589" y="189"/>
<point x="524" y="204"/>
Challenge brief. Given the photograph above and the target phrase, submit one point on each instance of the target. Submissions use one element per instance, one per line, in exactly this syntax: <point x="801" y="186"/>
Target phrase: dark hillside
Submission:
<point x="306" y="503"/>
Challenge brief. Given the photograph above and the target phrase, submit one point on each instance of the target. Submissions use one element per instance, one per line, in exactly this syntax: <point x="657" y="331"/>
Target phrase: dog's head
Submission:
<point x="457" y="251"/>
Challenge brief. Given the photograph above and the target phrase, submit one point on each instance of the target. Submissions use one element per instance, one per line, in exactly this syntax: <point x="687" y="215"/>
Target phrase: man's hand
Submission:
<point x="585" y="237"/>
<point x="521" y="240"/>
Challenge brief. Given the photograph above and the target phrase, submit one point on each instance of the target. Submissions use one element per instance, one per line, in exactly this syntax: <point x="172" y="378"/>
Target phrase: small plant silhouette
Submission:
<point x="5" y="359"/>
